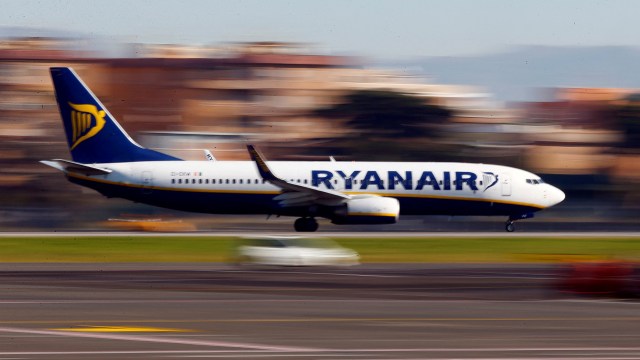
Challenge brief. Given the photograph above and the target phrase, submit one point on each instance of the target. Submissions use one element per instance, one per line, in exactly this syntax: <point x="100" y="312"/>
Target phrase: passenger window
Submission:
<point x="200" y="181"/>
<point x="226" y="181"/>
<point x="193" y="181"/>
<point x="179" y="181"/>
<point x="233" y="181"/>
<point x="173" y="181"/>
<point x="206" y="181"/>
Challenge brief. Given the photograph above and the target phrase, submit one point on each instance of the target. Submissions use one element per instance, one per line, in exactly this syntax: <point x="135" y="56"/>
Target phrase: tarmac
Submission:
<point x="392" y="311"/>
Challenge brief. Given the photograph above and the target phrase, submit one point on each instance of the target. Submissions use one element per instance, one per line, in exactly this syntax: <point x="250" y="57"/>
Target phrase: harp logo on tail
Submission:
<point x="86" y="122"/>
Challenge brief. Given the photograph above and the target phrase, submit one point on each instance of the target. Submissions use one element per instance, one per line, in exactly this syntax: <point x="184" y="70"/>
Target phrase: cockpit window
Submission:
<point x="535" y="181"/>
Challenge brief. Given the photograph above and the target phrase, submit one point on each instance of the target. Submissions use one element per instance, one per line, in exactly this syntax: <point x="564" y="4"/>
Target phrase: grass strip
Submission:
<point x="149" y="248"/>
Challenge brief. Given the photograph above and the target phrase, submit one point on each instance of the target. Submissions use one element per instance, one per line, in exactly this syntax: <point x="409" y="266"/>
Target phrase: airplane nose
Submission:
<point x="554" y="196"/>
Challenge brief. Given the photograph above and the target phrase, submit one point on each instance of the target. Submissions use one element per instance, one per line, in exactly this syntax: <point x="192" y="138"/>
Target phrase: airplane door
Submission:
<point x="506" y="184"/>
<point x="147" y="182"/>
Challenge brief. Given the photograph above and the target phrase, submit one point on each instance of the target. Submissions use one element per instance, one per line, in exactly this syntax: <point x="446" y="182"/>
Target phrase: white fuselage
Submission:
<point x="453" y="188"/>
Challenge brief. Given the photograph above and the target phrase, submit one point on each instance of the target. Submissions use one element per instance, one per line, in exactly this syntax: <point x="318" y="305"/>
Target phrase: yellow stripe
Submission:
<point x="372" y="214"/>
<point x="119" y="329"/>
<point x="444" y="197"/>
<point x="258" y="192"/>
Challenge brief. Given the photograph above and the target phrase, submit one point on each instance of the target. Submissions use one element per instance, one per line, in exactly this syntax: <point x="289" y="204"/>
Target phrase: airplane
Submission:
<point x="105" y="158"/>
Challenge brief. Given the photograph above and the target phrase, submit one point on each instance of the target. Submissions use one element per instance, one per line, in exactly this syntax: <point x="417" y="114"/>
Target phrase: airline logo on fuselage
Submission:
<point x="446" y="180"/>
<point x="86" y="122"/>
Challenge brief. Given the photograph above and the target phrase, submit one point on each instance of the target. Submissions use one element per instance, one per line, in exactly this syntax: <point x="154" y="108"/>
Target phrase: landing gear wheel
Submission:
<point x="510" y="226"/>
<point x="305" y="225"/>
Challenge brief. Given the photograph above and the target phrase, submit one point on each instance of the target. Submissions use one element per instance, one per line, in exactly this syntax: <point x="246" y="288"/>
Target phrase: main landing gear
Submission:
<point x="306" y="224"/>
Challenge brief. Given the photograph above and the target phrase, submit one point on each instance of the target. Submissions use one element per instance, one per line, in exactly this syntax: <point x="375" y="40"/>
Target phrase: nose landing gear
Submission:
<point x="510" y="224"/>
<point x="306" y="224"/>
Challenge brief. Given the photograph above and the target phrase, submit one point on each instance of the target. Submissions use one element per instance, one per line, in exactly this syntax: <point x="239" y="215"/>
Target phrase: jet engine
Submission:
<point x="367" y="210"/>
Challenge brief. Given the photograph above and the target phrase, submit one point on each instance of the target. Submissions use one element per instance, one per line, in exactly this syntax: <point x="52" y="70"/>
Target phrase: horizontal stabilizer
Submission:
<point x="75" y="167"/>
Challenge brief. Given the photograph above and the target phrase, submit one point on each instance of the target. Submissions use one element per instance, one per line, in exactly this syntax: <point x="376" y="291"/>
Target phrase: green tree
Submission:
<point x="628" y="116"/>
<point x="388" y="126"/>
<point x="388" y="114"/>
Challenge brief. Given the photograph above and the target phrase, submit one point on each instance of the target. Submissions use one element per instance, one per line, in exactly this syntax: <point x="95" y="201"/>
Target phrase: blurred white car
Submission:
<point x="293" y="251"/>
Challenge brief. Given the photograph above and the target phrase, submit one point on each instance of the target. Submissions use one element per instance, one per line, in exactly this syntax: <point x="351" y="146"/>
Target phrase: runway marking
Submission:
<point x="597" y="352"/>
<point x="340" y="356"/>
<point x="284" y="272"/>
<point x="153" y="339"/>
<point x="277" y="355"/>
<point x="118" y="352"/>
<point x="240" y="300"/>
<point x="343" y="274"/>
<point x="120" y="329"/>
<point x="328" y="319"/>
<point x="496" y="349"/>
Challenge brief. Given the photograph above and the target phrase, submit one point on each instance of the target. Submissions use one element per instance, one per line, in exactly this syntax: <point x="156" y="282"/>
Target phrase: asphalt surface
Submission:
<point x="417" y="311"/>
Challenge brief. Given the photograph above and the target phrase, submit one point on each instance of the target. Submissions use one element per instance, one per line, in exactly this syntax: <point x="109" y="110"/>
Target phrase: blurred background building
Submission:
<point x="296" y="104"/>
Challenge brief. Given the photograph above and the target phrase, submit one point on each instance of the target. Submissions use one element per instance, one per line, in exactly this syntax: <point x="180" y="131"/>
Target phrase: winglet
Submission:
<point x="208" y="155"/>
<point x="263" y="169"/>
<point x="268" y="175"/>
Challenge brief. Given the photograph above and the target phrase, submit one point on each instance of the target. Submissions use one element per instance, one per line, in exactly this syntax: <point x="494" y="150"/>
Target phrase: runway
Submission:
<point x="415" y="311"/>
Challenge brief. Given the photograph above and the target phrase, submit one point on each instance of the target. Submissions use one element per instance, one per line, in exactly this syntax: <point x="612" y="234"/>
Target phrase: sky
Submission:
<point x="393" y="29"/>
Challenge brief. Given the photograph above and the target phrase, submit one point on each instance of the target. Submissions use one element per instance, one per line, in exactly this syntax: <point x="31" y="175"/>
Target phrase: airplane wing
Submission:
<point x="293" y="194"/>
<point x="72" y="166"/>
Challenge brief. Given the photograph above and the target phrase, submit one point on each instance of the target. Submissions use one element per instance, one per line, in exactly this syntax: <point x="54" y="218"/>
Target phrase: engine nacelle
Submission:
<point x="368" y="210"/>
